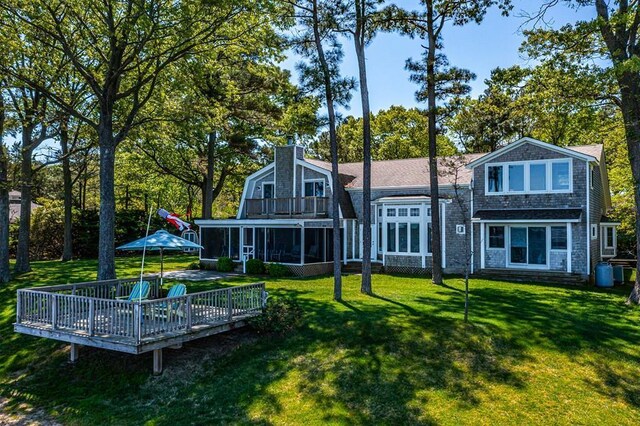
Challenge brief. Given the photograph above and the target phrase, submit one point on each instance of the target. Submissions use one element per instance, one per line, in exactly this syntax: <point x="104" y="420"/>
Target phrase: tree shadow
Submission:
<point x="367" y="360"/>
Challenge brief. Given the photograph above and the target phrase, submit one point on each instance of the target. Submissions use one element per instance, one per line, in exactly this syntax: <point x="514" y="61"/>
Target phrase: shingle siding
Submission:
<point x="577" y="199"/>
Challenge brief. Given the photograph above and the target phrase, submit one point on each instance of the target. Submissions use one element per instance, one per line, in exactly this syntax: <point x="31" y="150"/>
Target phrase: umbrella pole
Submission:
<point x="161" y="267"/>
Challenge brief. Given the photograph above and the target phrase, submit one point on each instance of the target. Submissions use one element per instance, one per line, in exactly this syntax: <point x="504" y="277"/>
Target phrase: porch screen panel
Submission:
<point x="259" y="246"/>
<point x="234" y="243"/>
<point x="329" y="244"/>
<point x="215" y="242"/>
<point x="314" y="245"/>
<point x="283" y="245"/>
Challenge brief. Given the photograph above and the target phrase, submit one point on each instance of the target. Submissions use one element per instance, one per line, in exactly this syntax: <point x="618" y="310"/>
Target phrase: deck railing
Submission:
<point x="107" y="289"/>
<point x="58" y="309"/>
<point x="287" y="207"/>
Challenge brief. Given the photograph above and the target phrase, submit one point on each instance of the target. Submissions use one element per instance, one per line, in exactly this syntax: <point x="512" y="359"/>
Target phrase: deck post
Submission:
<point x="92" y="314"/>
<point x="54" y="311"/>
<point x="229" y="304"/>
<point x="157" y="361"/>
<point x="73" y="353"/>
<point x="188" y="312"/>
<point x="136" y="322"/>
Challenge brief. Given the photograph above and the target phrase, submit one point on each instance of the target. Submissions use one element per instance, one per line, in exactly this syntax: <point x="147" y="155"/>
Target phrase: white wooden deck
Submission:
<point x="88" y="314"/>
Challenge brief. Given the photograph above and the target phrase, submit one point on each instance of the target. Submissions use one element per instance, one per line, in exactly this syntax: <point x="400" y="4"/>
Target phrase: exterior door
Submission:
<point x="374" y="242"/>
<point x="528" y="245"/>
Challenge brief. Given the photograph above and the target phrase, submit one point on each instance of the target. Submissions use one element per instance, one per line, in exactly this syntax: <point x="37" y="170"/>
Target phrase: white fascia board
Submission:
<point x="248" y="180"/>
<point x="527" y="221"/>
<point x="568" y="152"/>
<point x="425" y="187"/>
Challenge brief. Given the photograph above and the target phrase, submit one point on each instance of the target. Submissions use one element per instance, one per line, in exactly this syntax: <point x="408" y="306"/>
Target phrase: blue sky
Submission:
<point x="479" y="48"/>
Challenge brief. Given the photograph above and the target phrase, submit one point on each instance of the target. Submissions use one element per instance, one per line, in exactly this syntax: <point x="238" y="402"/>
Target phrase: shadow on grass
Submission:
<point x="369" y="360"/>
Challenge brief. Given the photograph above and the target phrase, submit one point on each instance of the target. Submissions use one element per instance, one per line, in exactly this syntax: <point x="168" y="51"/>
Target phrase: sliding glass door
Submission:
<point x="537" y="245"/>
<point x="528" y="245"/>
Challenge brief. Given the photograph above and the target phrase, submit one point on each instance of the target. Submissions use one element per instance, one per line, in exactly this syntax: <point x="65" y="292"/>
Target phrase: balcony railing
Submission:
<point x="287" y="207"/>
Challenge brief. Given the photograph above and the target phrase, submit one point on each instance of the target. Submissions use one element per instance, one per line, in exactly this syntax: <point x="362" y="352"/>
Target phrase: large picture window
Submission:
<point x="560" y="176"/>
<point x="403" y="229"/>
<point x="516" y="178"/>
<point x="529" y="177"/>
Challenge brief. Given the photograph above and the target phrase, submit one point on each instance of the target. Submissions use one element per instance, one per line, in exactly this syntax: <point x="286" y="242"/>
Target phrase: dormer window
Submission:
<point x="528" y="177"/>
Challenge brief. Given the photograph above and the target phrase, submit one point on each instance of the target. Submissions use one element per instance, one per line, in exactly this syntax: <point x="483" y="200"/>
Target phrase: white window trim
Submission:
<point x="604" y="236"/>
<point x="267" y="183"/>
<point x="423" y="220"/>
<point x="504" y="237"/>
<point x="507" y="244"/>
<point x="304" y="186"/>
<point x="526" y="164"/>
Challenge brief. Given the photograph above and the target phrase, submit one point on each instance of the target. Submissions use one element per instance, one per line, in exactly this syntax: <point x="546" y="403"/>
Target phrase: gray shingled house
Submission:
<point x="527" y="208"/>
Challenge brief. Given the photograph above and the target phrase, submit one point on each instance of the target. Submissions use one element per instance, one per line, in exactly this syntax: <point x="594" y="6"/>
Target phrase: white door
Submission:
<point x="374" y="243"/>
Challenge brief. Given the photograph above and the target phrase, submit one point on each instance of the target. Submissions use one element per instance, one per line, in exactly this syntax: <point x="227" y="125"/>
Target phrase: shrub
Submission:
<point x="277" y="270"/>
<point x="225" y="264"/>
<point x="193" y="266"/>
<point x="255" y="267"/>
<point x="280" y="316"/>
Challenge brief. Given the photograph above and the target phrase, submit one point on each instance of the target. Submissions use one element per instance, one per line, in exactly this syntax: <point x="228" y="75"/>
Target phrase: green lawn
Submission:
<point x="532" y="354"/>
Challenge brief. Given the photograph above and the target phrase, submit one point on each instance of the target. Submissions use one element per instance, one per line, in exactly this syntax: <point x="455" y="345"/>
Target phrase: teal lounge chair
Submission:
<point x="177" y="290"/>
<point x="139" y="292"/>
<point x="164" y="309"/>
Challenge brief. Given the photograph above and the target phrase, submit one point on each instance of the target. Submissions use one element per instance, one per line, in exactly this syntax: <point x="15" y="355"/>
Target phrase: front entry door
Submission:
<point x="374" y="243"/>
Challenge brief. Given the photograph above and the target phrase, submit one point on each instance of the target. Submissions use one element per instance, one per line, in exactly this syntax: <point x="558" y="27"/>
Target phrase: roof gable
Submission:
<point x="586" y="153"/>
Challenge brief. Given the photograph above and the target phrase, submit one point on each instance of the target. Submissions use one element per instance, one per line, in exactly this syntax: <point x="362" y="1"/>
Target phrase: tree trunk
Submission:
<point x="106" y="248"/>
<point x="436" y="243"/>
<point x="24" y="230"/>
<point x="5" y="275"/>
<point x="67" y="249"/>
<point x="366" y="149"/>
<point x="630" y="94"/>
<point x="207" y="189"/>
<point x="335" y="196"/>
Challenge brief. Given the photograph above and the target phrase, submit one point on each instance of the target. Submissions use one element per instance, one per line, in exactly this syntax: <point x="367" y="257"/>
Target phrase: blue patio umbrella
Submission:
<point x="161" y="240"/>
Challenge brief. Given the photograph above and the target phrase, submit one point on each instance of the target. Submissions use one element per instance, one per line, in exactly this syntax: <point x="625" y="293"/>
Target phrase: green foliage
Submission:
<point x="278" y="270"/>
<point x="281" y="316"/>
<point x="193" y="266"/>
<point x="396" y="133"/>
<point x="225" y="264"/>
<point x="255" y="267"/>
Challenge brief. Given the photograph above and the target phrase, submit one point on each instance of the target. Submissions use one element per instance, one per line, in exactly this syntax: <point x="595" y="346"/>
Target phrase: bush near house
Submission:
<point x="225" y="264"/>
<point x="278" y="270"/>
<point x="255" y="267"/>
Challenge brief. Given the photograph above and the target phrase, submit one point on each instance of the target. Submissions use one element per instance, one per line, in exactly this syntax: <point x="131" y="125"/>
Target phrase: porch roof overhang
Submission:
<point x="266" y="223"/>
<point x="528" y="215"/>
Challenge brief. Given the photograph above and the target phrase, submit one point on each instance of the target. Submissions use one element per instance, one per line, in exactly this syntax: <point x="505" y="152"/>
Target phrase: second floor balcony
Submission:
<point x="308" y="207"/>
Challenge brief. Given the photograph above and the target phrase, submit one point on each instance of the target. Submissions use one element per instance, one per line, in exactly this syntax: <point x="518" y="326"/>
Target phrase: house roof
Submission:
<point x="584" y="152"/>
<point x="528" y="214"/>
<point x="15" y="206"/>
<point x="405" y="173"/>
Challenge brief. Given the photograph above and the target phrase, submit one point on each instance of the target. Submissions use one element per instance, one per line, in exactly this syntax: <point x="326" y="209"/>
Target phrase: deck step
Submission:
<point x="547" y="277"/>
